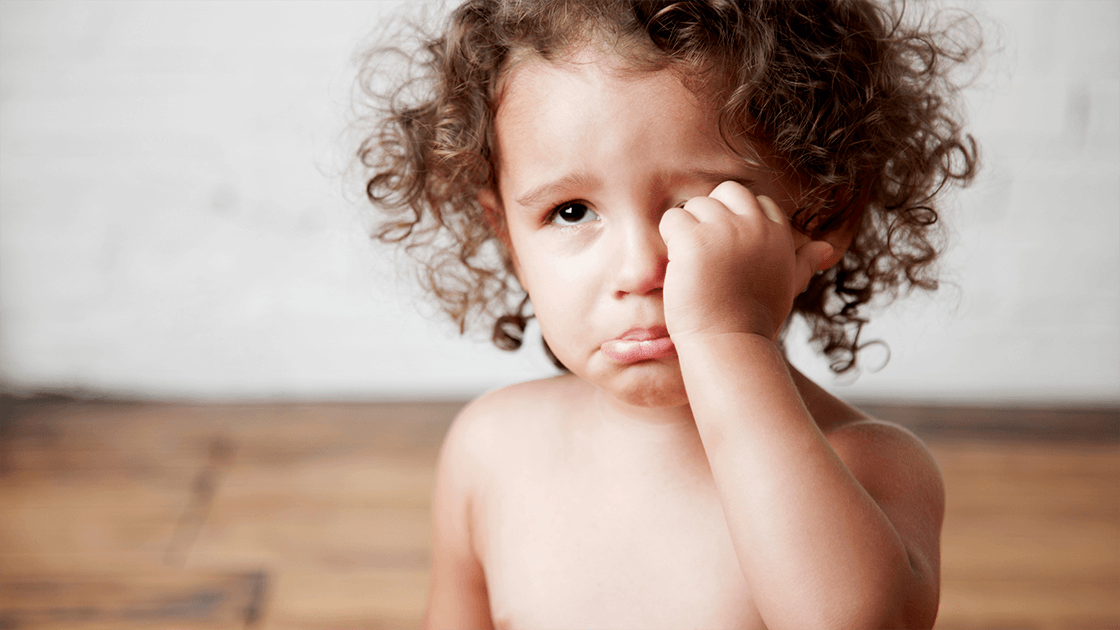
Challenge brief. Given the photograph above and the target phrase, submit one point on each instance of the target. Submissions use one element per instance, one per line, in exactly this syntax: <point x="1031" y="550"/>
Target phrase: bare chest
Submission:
<point x="607" y="545"/>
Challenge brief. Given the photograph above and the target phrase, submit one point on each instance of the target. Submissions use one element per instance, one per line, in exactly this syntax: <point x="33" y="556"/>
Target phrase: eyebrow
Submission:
<point x="707" y="176"/>
<point x="547" y="191"/>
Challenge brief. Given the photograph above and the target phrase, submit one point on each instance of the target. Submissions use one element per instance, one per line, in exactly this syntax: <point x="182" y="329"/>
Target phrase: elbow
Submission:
<point x="908" y="598"/>
<point x="907" y="602"/>
<point x="919" y="616"/>
<point x="876" y="613"/>
<point x="911" y="605"/>
<point x="917" y="612"/>
<point x="871" y="612"/>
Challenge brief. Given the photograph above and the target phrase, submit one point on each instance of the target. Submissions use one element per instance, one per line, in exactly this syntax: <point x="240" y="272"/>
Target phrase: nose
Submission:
<point x="640" y="259"/>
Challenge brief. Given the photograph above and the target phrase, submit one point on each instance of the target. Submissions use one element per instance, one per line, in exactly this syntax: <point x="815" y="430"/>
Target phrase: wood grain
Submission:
<point x="315" y="516"/>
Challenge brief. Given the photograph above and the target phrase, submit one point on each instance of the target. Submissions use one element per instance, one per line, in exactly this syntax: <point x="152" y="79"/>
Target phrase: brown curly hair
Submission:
<point x="854" y="97"/>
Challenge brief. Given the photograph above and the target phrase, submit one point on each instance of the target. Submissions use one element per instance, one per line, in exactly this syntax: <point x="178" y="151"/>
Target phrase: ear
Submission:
<point x="840" y="237"/>
<point x="496" y="218"/>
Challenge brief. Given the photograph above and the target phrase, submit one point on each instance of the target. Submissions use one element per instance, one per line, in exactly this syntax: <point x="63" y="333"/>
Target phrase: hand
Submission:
<point x="733" y="264"/>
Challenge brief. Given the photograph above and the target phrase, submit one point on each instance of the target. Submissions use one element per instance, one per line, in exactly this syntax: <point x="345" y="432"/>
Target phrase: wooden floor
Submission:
<point x="316" y="516"/>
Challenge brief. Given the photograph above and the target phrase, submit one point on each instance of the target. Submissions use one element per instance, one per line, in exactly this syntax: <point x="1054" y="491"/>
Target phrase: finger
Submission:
<point x="674" y="221"/>
<point x="705" y="209"/>
<point x="740" y="200"/>
<point x="772" y="210"/>
<point x="809" y="259"/>
<point x="735" y="196"/>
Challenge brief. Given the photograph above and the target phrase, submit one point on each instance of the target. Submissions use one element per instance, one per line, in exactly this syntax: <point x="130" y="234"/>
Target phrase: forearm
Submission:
<point x="814" y="547"/>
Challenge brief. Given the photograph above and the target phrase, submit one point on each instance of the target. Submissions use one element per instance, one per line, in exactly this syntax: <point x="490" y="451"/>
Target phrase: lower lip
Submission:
<point x="632" y="351"/>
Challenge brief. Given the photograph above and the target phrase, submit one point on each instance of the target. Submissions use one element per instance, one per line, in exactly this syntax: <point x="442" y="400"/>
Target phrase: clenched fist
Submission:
<point x="734" y="264"/>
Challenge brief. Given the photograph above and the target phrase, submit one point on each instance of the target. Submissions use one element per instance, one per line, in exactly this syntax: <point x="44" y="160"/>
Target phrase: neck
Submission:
<point x="663" y="437"/>
<point x="661" y="419"/>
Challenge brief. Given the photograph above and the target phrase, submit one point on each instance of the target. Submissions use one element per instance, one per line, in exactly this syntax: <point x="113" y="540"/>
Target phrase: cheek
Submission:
<point x="553" y="265"/>
<point x="555" y="289"/>
<point x="559" y="313"/>
<point x="562" y="291"/>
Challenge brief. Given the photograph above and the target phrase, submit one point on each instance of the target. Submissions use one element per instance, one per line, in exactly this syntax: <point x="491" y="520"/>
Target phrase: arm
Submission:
<point x="825" y="533"/>
<point x="817" y="548"/>
<point x="457" y="596"/>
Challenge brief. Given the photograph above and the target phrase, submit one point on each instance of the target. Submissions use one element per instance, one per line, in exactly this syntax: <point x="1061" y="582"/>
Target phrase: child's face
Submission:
<point x="589" y="159"/>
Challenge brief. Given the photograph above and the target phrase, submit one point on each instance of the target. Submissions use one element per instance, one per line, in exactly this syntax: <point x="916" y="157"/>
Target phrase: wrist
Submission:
<point x="702" y="340"/>
<point x="758" y="321"/>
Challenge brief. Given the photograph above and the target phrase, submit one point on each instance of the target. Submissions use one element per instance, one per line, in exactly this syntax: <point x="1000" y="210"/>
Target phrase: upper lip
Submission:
<point x="644" y="334"/>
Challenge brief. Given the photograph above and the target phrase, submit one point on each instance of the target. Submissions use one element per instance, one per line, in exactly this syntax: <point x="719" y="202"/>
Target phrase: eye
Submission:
<point x="572" y="213"/>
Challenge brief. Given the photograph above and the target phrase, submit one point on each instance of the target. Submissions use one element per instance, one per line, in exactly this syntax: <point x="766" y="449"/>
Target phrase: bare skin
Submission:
<point x="708" y="486"/>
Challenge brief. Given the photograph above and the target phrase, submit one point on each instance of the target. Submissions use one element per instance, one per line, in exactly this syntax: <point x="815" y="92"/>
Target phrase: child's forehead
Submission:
<point x="614" y="56"/>
<point x="551" y="104"/>
<point x="588" y="62"/>
<point x="534" y="83"/>
<point x="588" y="102"/>
<point x="563" y="96"/>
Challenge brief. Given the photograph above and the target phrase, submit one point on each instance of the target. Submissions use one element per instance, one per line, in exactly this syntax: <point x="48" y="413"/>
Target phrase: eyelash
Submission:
<point x="550" y="217"/>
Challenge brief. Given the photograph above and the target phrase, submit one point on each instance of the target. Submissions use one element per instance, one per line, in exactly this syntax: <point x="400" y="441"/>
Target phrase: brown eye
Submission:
<point x="573" y="213"/>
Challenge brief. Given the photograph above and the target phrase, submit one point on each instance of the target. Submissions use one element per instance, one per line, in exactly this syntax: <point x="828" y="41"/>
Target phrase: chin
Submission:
<point x="656" y="386"/>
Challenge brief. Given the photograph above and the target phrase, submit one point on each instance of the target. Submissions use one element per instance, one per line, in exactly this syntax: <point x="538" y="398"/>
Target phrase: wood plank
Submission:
<point x="144" y="600"/>
<point x="1001" y="423"/>
<point x="1031" y="536"/>
<point x="318" y="599"/>
<point x="332" y="502"/>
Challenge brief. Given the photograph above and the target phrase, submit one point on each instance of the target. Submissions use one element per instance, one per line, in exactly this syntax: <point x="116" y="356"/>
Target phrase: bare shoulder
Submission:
<point x="888" y="459"/>
<point x="900" y="474"/>
<point x="499" y="429"/>
<point x="500" y="437"/>
<point x="515" y="402"/>
<point x="488" y="438"/>
<point x="892" y="465"/>
<point x="498" y="419"/>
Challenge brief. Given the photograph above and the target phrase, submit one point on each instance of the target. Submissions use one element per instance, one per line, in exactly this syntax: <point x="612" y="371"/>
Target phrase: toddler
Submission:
<point x="661" y="185"/>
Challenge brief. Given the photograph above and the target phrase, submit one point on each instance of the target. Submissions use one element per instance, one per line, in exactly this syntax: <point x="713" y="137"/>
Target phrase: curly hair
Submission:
<point x="857" y="100"/>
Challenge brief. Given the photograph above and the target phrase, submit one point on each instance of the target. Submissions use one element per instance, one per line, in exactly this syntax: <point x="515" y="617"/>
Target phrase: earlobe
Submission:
<point x="840" y="237"/>
<point x="495" y="218"/>
<point x="492" y="210"/>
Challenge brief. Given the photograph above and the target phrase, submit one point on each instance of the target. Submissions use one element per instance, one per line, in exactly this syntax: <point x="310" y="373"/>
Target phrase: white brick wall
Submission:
<point x="1035" y="313"/>
<point x="172" y="221"/>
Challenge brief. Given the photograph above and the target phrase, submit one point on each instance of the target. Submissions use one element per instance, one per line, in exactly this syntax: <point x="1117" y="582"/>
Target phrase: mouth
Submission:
<point x="640" y="344"/>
